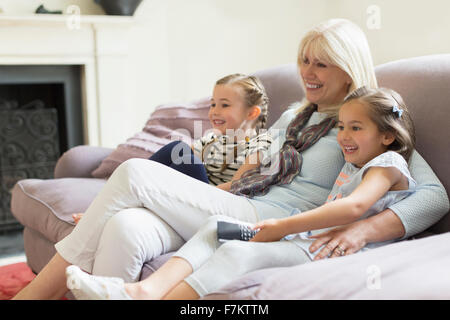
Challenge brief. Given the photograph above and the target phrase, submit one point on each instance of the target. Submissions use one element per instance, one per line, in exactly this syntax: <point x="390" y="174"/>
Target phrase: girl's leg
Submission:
<point x="142" y="183"/>
<point x="183" y="291"/>
<point x="164" y="155"/>
<point x="235" y="258"/>
<point x="188" y="258"/>
<point x="81" y="245"/>
<point x="182" y="202"/>
<point x="179" y="156"/>
<point x="49" y="284"/>
<point x="230" y="261"/>
<point x="161" y="281"/>
<point x="197" y="250"/>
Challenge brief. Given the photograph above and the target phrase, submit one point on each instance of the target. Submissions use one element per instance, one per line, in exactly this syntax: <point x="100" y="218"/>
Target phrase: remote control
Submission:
<point x="234" y="231"/>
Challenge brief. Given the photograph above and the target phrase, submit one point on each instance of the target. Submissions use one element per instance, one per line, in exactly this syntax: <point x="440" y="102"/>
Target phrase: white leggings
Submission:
<point x="115" y="238"/>
<point x="216" y="264"/>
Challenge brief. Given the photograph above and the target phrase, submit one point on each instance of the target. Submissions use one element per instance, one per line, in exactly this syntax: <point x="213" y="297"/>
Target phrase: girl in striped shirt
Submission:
<point x="234" y="144"/>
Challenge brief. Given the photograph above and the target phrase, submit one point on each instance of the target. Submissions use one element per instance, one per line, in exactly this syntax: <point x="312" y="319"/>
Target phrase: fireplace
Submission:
<point x="68" y="71"/>
<point x="40" y="118"/>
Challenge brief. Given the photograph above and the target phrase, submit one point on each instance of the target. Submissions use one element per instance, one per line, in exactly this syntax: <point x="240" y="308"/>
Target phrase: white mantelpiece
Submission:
<point x="99" y="44"/>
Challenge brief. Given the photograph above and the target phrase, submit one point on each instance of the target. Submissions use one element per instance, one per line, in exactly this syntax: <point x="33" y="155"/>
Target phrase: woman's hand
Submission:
<point x="340" y="241"/>
<point x="269" y="230"/>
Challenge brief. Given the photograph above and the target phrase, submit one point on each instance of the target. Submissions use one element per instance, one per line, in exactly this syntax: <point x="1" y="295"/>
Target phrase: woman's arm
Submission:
<point x="352" y="237"/>
<point x="427" y="205"/>
<point x="376" y="182"/>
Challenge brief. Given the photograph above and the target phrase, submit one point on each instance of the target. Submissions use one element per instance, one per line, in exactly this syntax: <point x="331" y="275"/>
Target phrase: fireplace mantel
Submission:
<point x="99" y="44"/>
<point x="54" y="19"/>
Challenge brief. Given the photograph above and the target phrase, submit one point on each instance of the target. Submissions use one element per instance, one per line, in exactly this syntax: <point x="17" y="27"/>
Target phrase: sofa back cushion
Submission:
<point x="424" y="84"/>
<point x="167" y="123"/>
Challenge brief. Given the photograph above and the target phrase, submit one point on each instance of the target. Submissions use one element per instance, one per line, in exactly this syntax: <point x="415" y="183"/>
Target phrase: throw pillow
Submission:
<point x="167" y="123"/>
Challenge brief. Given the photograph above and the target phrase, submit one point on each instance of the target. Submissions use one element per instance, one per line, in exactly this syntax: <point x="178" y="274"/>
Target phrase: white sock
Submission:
<point x="87" y="287"/>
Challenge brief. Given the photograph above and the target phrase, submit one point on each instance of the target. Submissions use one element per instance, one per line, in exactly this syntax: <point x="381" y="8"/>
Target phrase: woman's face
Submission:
<point x="325" y="84"/>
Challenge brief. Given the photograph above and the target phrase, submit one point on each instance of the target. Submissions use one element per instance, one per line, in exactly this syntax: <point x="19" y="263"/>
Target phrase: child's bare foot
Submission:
<point x="77" y="217"/>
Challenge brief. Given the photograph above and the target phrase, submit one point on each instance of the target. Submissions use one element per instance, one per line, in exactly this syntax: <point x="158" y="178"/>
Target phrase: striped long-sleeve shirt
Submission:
<point x="222" y="156"/>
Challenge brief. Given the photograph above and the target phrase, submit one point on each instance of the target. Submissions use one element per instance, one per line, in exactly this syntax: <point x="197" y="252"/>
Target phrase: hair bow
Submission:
<point x="397" y="110"/>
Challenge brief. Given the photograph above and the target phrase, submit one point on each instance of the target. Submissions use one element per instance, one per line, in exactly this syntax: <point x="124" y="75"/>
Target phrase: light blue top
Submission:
<point x="322" y="163"/>
<point x="349" y="178"/>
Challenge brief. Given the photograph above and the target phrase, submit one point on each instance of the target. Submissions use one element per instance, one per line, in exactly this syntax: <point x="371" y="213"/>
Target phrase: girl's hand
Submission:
<point x="349" y="238"/>
<point x="224" y="186"/>
<point x="76" y="217"/>
<point x="269" y="230"/>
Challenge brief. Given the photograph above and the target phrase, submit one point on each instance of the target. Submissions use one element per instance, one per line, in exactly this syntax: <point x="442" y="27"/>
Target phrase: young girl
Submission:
<point x="239" y="108"/>
<point x="376" y="135"/>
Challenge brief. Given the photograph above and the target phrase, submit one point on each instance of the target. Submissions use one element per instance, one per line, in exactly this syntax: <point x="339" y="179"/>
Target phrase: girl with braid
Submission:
<point x="238" y="112"/>
<point x="236" y="143"/>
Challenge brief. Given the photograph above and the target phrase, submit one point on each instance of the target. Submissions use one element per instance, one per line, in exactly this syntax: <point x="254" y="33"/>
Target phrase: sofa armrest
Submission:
<point x="80" y="161"/>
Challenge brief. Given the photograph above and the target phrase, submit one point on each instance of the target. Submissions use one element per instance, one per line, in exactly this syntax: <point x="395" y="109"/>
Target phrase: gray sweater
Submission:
<point x="322" y="163"/>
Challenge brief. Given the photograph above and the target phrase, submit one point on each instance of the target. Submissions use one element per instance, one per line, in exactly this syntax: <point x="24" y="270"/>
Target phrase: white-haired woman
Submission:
<point x="147" y="209"/>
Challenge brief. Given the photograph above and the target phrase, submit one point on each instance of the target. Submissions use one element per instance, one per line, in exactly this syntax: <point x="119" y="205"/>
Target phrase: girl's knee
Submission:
<point x="235" y="250"/>
<point x="209" y="228"/>
<point x="213" y="219"/>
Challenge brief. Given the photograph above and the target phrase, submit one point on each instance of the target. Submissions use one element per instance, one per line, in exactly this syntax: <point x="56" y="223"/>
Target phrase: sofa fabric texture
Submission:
<point x="49" y="202"/>
<point x="385" y="273"/>
<point x="44" y="207"/>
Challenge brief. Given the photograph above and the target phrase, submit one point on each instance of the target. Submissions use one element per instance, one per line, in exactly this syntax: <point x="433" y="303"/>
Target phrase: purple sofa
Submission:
<point x="44" y="207"/>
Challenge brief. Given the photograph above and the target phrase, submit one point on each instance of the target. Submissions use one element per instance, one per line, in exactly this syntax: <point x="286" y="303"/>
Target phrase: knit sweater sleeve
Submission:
<point x="427" y="205"/>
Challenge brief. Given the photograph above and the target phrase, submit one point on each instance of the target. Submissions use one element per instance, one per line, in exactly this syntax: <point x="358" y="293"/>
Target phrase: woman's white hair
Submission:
<point x="342" y="43"/>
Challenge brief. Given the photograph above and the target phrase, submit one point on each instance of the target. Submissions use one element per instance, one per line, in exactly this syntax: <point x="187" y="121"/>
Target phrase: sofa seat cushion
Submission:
<point x="413" y="269"/>
<point x="47" y="206"/>
<point x="151" y="266"/>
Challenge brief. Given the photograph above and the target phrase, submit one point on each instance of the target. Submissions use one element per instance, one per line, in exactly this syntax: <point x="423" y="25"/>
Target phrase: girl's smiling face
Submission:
<point x="228" y="109"/>
<point x="358" y="136"/>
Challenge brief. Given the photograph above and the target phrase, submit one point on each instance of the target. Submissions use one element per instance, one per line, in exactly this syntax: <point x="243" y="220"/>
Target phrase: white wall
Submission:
<point x="198" y="41"/>
<point x="178" y="48"/>
<point x="210" y="39"/>
<point x="407" y="28"/>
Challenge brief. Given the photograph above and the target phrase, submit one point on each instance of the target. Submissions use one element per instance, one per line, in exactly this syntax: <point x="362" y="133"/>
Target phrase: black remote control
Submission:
<point x="234" y="231"/>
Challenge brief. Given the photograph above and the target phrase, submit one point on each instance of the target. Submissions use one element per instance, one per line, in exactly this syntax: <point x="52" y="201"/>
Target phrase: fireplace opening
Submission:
<point x="40" y="118"/>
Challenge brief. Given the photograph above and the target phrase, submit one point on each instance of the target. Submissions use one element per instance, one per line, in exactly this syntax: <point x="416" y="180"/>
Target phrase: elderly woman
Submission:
<point x="147" y="209"/>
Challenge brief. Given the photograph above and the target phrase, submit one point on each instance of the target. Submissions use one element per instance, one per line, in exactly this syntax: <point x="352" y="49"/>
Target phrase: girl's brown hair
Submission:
<point x="254" y="94"/>
<point x="389" y="112"/>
